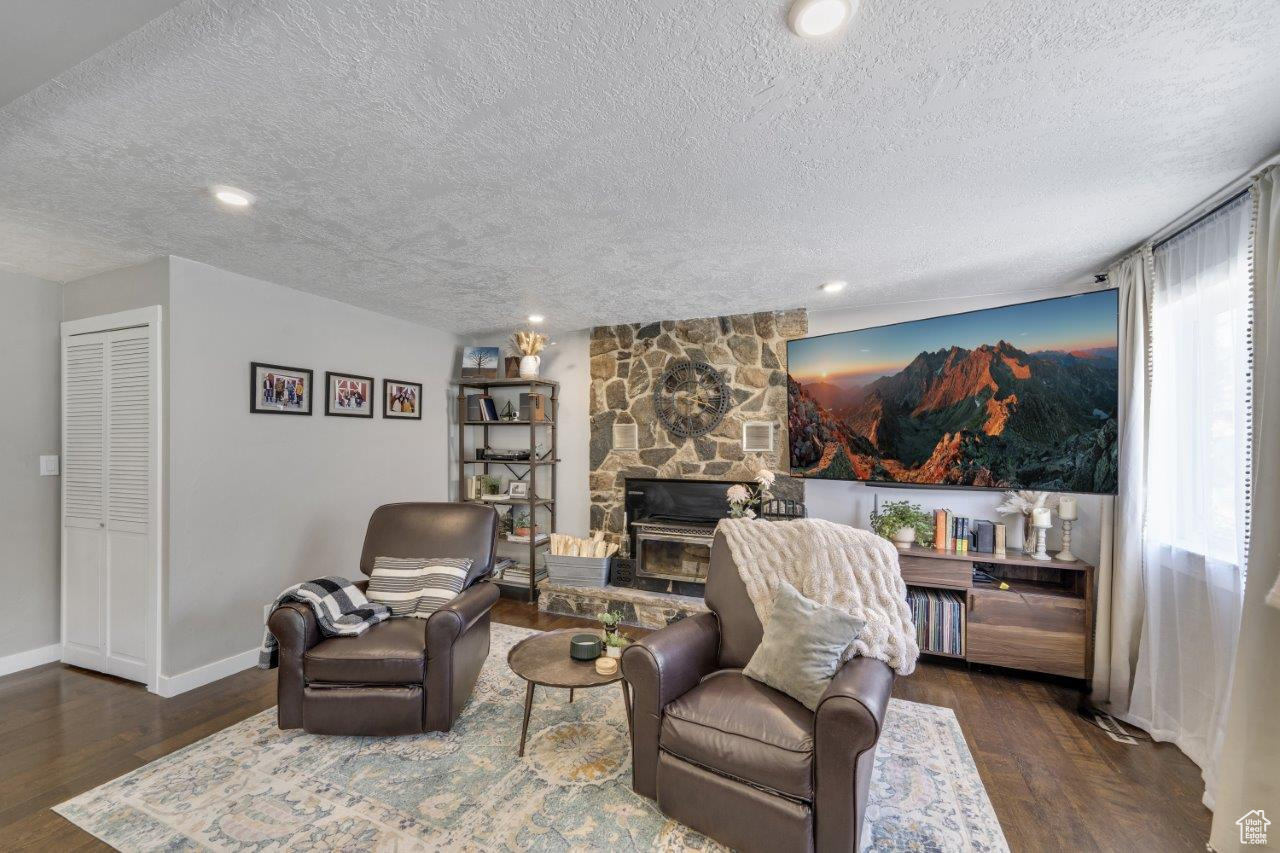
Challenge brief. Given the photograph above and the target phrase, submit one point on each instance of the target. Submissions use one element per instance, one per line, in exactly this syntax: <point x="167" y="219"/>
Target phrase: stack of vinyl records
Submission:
<point x="939" y="618"/>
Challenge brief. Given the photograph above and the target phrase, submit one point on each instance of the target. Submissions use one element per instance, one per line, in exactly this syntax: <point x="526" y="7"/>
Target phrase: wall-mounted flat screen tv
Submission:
<point x="1017" y="397"/>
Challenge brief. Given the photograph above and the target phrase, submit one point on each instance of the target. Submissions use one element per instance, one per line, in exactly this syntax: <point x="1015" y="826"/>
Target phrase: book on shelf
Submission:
<point x="939" y="618"/>
<point x="541" y="537"/>
<point x="940" y="529"/>
<point x="519" y="574"/>
<point x="960" y="534"/>
<point x="984" y="536"/>
<point x="533" y="407"/>
<point x="481" y="407"/>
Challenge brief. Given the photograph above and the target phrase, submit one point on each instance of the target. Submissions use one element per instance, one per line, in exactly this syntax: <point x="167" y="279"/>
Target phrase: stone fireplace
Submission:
<point x="748" y="349"/>
<point x="665" y="554"/>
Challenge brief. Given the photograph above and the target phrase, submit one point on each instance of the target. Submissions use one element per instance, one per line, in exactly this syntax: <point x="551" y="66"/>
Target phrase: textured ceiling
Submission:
<point x="463" y="163"/>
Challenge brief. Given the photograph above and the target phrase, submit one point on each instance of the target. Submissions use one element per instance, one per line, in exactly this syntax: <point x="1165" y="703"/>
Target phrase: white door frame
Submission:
<point x="151" y="317"/>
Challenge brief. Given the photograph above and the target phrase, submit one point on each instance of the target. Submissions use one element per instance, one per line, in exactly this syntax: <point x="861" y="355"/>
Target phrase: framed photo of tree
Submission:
<point x="480" y="362"/>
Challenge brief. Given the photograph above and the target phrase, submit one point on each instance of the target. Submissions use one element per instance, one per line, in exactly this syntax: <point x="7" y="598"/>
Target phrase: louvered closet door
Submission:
<point x="108" y="484"/>
<point x="84" y="487"/>
<point x="128" y="500"/>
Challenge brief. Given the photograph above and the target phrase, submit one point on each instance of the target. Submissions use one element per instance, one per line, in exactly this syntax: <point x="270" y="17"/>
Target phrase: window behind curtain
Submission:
<point x="1197" y="480"/>
<point x="1200" y="374"/>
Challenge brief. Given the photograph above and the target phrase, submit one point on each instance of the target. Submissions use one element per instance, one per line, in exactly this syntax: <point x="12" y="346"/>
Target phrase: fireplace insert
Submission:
<point x="670" y="525"/>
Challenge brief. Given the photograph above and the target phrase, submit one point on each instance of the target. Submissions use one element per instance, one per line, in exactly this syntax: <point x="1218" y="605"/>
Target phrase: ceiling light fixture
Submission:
<point x="232" y="197"/>
<point x="834" y="286"/>
<point x="536" y="318"/>
<point x="813" y="19"/>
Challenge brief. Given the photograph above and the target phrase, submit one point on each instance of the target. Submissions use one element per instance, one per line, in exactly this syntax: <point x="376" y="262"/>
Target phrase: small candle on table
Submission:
<point x="1040" y="517"/>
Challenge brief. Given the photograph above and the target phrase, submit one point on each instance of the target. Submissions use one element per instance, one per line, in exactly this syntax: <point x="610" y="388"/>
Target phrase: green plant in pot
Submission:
<point x="902" y="523"/>
<point x="610" y="620"/>
<point x="614" y="644"/>
<point x="521" y="525"/>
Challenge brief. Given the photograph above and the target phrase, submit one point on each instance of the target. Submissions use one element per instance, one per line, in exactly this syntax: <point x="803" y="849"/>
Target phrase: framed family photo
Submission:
<point x="348" y="396"/>
<point x="401" y="399"/>
<point x="278" y="390"/>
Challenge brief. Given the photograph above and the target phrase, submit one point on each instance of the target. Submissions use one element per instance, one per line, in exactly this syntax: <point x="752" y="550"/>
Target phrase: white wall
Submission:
<point x="848" y="503"/>
<point x="118" y="290"/>
<point x="257" y="501"/>
<point x="30" y="309"/>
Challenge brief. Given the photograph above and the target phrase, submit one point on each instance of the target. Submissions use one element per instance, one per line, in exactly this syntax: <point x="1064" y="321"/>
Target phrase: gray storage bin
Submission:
<point x="578" y="571"/>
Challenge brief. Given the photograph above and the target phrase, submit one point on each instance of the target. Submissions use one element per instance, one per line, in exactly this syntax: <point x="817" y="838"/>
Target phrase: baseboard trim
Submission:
<point x="172" y="685"/>
<point x="10" y="664"/>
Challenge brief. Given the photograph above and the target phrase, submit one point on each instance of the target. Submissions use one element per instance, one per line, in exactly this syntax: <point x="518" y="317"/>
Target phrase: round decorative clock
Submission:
<point x="691" y="398"/>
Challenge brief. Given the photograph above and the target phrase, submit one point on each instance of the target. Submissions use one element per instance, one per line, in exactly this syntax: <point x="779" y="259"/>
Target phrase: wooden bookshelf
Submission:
<point x="1043" y="622"/>
<point x="541" y="507"/>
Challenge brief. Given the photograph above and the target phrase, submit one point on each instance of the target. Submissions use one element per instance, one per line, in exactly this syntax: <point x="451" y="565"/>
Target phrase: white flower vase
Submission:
<point x="613" y="651"/>
<point x="904" y="538"/>
<point x="529" y="366"/>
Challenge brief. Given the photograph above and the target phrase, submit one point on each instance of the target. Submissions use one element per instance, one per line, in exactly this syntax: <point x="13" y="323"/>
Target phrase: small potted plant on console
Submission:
<point x="902" y="523"/>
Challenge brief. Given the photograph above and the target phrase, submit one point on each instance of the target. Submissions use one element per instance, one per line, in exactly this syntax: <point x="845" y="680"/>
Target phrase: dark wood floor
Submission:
<point x="1057" y="782"/>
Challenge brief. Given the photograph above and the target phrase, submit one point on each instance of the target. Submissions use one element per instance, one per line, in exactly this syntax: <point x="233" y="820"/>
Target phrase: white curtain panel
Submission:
<point x="1120" y="581"/>
<point x="1249" y="771"/>
<point x="1197" y="482"/>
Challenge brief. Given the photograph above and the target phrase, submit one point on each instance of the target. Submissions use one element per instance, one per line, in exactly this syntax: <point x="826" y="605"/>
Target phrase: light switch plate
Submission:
<point x="48" y="466"/>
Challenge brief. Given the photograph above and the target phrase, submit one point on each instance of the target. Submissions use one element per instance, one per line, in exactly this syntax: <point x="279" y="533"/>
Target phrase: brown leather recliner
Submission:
<point x="735" y="759"/>
<point x="405" y="675"/>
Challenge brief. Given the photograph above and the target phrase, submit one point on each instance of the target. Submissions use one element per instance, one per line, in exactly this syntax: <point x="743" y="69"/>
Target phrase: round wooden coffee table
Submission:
<point x="543" y="659"/>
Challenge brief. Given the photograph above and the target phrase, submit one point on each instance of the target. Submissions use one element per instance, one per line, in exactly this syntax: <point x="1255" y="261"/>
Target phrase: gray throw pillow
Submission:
<point x="802" y="646"/>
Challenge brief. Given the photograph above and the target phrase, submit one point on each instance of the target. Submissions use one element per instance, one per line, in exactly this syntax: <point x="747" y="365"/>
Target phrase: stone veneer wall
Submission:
<point x="749" y="349"/>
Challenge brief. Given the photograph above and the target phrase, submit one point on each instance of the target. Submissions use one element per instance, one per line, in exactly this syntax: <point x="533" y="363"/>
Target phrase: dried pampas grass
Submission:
<point x="527" y="342"/>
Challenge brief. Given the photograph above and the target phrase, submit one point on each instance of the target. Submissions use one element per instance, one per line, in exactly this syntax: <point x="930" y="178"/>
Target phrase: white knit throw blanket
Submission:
<point x="833" y="564"/>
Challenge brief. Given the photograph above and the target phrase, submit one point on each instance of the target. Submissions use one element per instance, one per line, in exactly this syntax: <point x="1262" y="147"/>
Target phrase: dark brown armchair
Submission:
<point x="405" y="675"/>
<point x="735" y="759"/>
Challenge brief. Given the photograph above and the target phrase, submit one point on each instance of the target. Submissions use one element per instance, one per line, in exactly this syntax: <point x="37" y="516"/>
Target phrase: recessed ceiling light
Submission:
<point x="232" y="197"/>
<point x="816" y="18"/>
<point x="536" y="318"/>
<point x="834" y="286"/>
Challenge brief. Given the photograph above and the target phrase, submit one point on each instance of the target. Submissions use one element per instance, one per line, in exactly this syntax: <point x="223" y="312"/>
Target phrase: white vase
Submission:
<point x="905" y="537"/>
<point x="529" y="366"/>
<point x="613" y="651"/>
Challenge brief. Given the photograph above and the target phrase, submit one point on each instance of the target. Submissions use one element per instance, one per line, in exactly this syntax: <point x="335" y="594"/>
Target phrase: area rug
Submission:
<point x="254" y="787"/>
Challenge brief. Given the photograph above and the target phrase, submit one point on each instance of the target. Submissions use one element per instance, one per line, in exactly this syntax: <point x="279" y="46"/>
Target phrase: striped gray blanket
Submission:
<point x="340" y="608"/>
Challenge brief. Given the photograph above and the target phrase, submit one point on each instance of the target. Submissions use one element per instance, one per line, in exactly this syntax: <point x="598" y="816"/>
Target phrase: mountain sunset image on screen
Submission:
<point x="1022" y="396"/>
